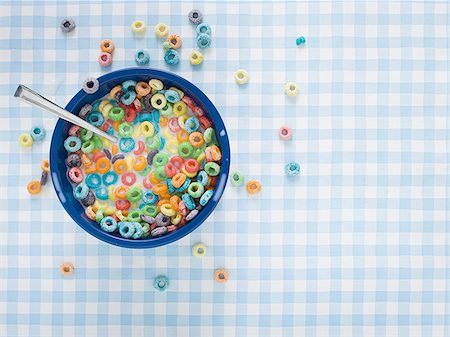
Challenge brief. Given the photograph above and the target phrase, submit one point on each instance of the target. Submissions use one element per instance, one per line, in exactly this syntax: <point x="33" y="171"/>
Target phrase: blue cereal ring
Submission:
<point x="108" y="224"/>
<point x="149" y="197"/>
<point x="203" y="28"/>
<point x="110" y="178"/>
<point x="172" y="96"/>
<point x="145" y="117"/>
<point x="93" y="180"/>
<point x="163" y="142"/>
<point x="161" y="283"/>
<point x="128" y="85"/>
<point x="188" y="201"/>
<point x="137" y="230"/>
<point x="72" y="144"/>
<point x="102" y="193"/>
<point x="126" y="144"/>
<point x="126" y="229"/>
<point x="142" y="57"/>
<point x="205" y="197"/>
<point x="80" y="191"/>
<point x="156" y="116"/>
<point x="192" y="124"/>
<point x="128" y="97"/>
<point x="37" y="133"/>
<point x="203" y="40"/>
<point x="96" y="105"/>
<point x="171" y="57"/>
<point x="202" y="178"/>
<point x="95" y="118"/>
<point x="170" y="186"/>
<point x="292" y="169"/>
<point x="183" y="187"/>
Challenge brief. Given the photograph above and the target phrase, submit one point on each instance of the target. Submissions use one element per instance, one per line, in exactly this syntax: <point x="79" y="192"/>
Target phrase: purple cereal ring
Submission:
<point x="84" y="111"/>
<point x="75" y="175"/>
<point x="73" y="160"/>
<point x="158" y="231"/>
<point x="117" y="157"/>
<point x="147" y="219"/>
<point x="150" y="156"/>
<point x="147" y="103"/>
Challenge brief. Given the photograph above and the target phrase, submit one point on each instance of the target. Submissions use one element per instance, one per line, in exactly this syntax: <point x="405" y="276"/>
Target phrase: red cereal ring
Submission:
<point x="76" y="175"/>
<point x="191" y="165"/>
<point x="173" y="124"/>
<point x="98" y="155"/>
<point x="141" y="147"/>
<point x="177" y="161"/>
<point x="122" y="205"/>
<point x="115" y="217"/>
<point x="197" y="111"/>
<point x="128" y="178"/>
<point x="130" y="115"/>
<point x="170" y="170"/>
<point x="147" y="184"/>
<point x="204" y="122"/>
<point x="105" y="126"/>
<point x="189" y="102"/>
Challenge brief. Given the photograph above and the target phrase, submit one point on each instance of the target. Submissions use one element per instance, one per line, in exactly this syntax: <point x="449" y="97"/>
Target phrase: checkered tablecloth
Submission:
<point x="357" y="245"/>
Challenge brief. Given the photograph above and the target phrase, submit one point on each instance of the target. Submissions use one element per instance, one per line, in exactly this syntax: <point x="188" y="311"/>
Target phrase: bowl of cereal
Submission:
<point x="163" y="177"/>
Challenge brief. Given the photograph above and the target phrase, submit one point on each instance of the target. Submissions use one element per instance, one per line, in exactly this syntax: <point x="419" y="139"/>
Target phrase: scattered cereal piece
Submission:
<point x="45" y="165"/>
<point x="292" y="169"/>
<point x="195" y="16"/>
<point x="67" y="25"/>
<point x="138" y="27"/>
<point x="174" y="41"/>
<point x="171" y="57"/>
<point x="203" y="40"/>
<point x="199" y="249"/>
<point x="221" y="275"/>
<point x="285" y="133"/>
<point x="34" y="187"/>
<point x="300" y="40"/>
<point x="90" y="85"/>
<point x="241" y="76"/>
<point x="25" y="140"/>
<point x="142" y="57"/>
<point x="107" y="46"/>
<point x="196" y="57"/>
<point x="291" y="89"/>
<point x="161" y="282"/>
<point x="37" y="133"/>
<point x="44" y="177"/>
<point x="105" y="59"/>
<point x="166" y="45"/>
<point x="161" y="30"/>
<point x="66" y="268"/>
<point x="203" y="28"/>
<point x="253" y="186"/>
<point x="237" y="179"/>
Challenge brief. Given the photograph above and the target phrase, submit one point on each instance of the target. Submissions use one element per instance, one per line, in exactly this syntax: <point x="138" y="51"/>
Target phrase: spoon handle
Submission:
<point x="32" y="97"/>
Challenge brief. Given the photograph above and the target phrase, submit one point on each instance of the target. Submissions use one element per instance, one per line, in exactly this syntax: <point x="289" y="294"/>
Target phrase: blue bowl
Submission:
<point x="58" y="154"/>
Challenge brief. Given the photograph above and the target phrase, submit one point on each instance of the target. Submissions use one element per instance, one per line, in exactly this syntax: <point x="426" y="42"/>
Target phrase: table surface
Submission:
<point x="357" y="245"/>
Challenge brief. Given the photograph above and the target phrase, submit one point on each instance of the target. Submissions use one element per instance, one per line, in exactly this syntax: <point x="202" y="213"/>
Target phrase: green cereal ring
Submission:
<point x="134" y="216"/>
<point x="116" y="113"/>
<point x="197" y="151"/>
<point x="99" y="215"/>
<point x="154" y="142"/>
<point x="160" y="159"/>
<point x="150" y="210"/>
<point x="98" y="142"/>
<point x="145" y="172"/>
<point x="237" y="179"/>
<point x="212" y="168"/>
<point x="209" y="136"/>
<point x="160" y="173"/>
<point x="88" y="146"/>
<point x="185" y="149"/>
<point x="145" y="230"/>
<point x="134" y="195"/>
<point x="85" y="135"/>
<point x="195" y="190"/>
<point x="166" y="110"/>
<point x="125" y="130"/>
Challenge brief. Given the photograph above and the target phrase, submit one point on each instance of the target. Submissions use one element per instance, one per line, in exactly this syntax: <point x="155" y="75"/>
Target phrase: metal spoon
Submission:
<point x="32" y="97"/>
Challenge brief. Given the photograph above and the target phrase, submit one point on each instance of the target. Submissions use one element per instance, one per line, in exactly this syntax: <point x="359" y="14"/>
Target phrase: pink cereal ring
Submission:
<point x="141" y="147"/>
<point x="182" y="208"/>
<point x="147" y="184"/>
<point x="173" y="125"/>
<point x="189" y="102"/>
<point x="170" y="170"/>
<point x="128" y="178"/>
<point x="98" y="155"/>
<point x="74" y="130"/>
<point x="191" y="165"/>
<point x="137" y="105"/>
<point x="171" y="228"/>
<point x="105" y="59"/>
<point x="197" y="111"/>
<point x="285" y="133"/>
<point x="177" y="161"/>
<point x="76" y="175"/>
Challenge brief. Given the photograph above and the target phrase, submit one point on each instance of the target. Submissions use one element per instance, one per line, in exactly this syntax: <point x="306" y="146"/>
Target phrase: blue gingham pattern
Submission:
<point x="357" y="245"/>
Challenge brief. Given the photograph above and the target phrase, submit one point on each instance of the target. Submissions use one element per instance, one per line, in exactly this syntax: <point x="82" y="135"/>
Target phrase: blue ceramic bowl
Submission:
<point x="58" y="154"/>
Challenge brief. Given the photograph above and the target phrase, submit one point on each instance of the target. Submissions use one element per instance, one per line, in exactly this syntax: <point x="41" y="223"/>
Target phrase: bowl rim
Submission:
<point x="86" y="224"/>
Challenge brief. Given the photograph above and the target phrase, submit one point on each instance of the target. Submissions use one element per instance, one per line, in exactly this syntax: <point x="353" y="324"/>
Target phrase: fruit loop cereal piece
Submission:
<point x="241" y="76"/>
<point x="205" y="197"/>
<point x="199" y="249"/>
<point x="108" y="224"/>
<point x="45" y="165"/>
<point x="158" y="101"/>
<point x="285" y="133"/>
<point x="44" y="177"/>
<point x="300" y="40"/>
<point x="253" y="186"/>
<point x="126" y="229"/>
<point x="75" y="175"/>
<point x="72" y="144"/>
<point x="196" y="58"/>
<point x="195" y="16"/>
<point x="161" y="30"/>
<point x="107" y="46"/>
<point x="67" y="25"/>
<point x="90" y="85"/>
<point x="174" y="41"/>
<point x="37" y="133"/>
<point x="25" y="140"/>
<point x="161" y="283"/>
<point x="292" y="169"/>
<point x="237" y="179"/>
<point x="142" y="89"/>
<point x="212" y="169"/>
<point x="138" y="27"/>
<point x="105" y="59"/>
<point x="291" y="89"/>
<point x="203" y="40"/>
<point x="203" y="28"/>
<point x="66" y="268"/>
<point x="34" y="187"/>
<point x="221" y="275"/>
<point x="171" y="57"/>
<point x="142" y="57"/>
<point x="84" y="111"/>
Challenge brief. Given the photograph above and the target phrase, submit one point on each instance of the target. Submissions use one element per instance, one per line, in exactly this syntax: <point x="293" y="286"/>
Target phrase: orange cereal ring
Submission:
<point x="253" y="186"/>
<point x="34" y="186"/>
<point x="162" y="202"/>
<point x="90" y="169"/>
<point x="142" y="89"/>
<point x="160" y="188"/>
<point x="213" y="153"/>
<point x="107" y="46"/>
<point x="114" y="91"/>
<point x="165" y="196"/>
<point x="90" y="212"/>
<point x="140" y="163"/>
<point x="163" y="121"/>
<point x="174" y="41"/>
<point x="183" y="136"/>
<point x="196" y="139"/>
<point x="120" y="166"/>
<point x="103" y="165"/>
<point x="85" y="160"/>
<point x="121" y="192"/>
<point x="45" y="165"/>
<point x="174" y="201"/>
<point x="178" y="180"/>
<point x="116" y="124"/>
<point x="221" y="275"/>
<point x="94" y="152"/>
<point x="152" y="178"/>
<point x="114" y="149"/>
<point x="66" y="268"/>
